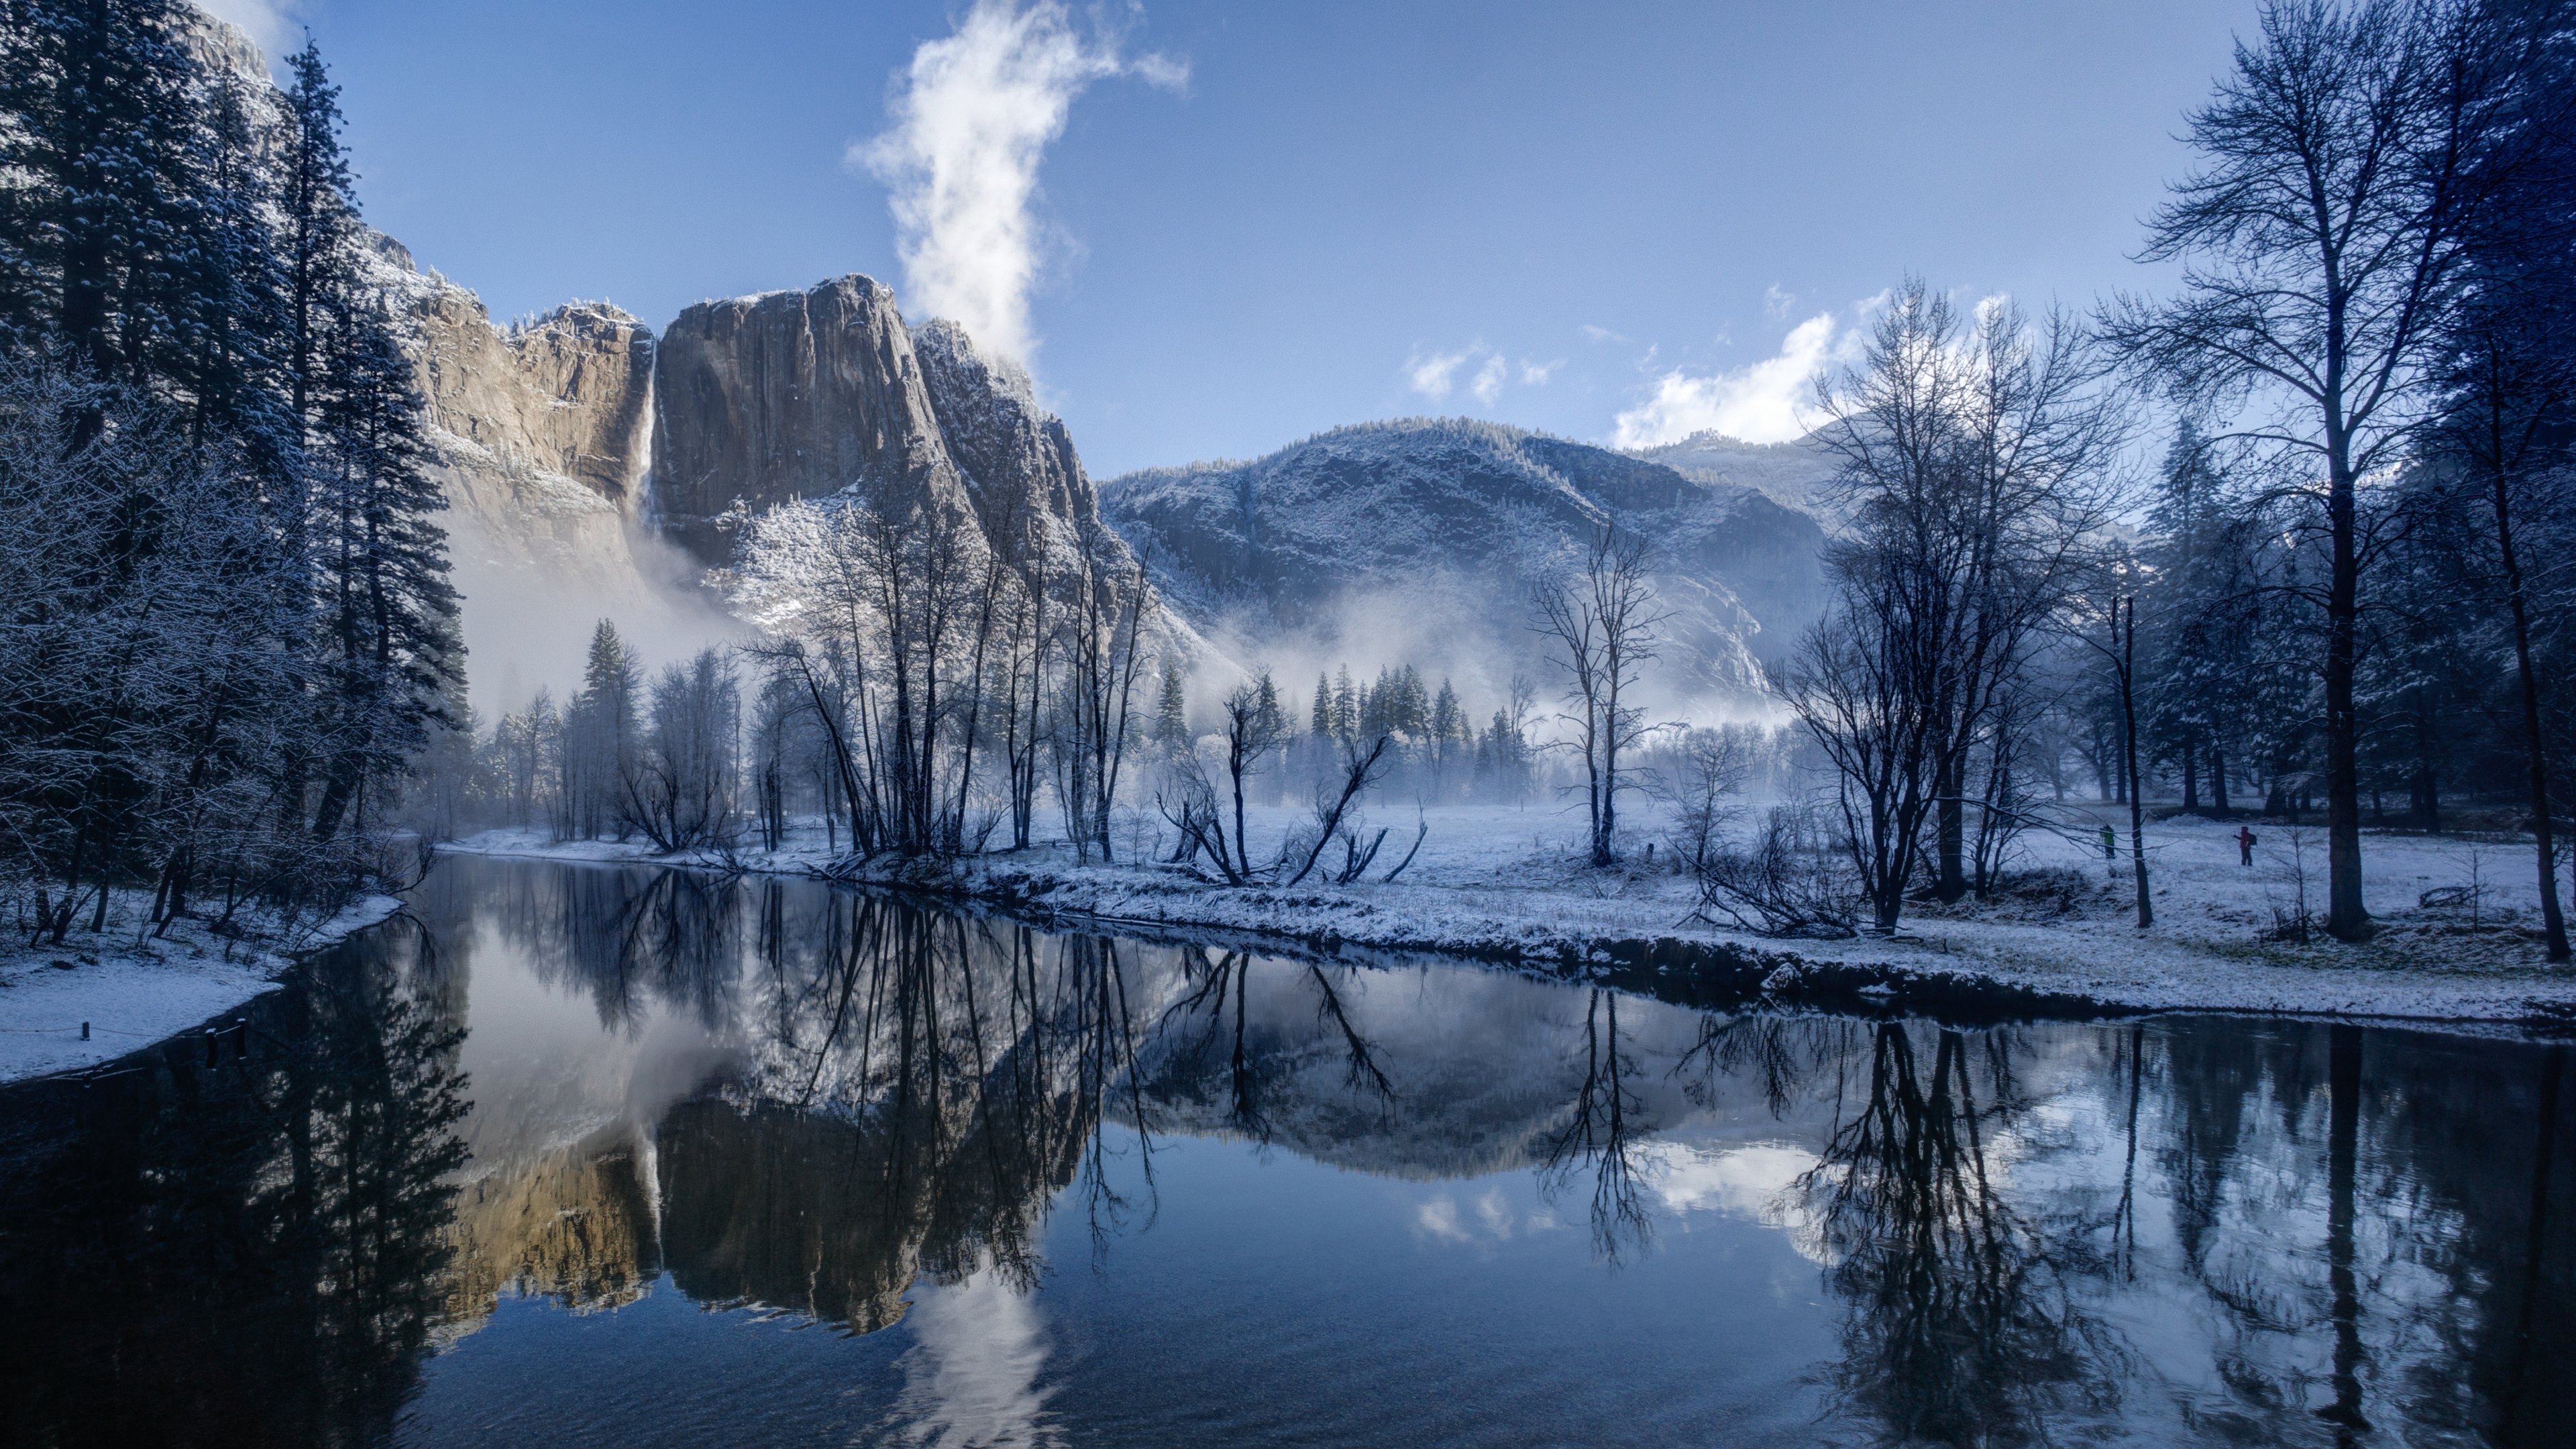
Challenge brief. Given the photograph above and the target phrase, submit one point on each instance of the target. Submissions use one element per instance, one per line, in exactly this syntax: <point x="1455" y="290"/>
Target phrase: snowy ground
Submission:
<point x="1510" y="883"/>
<point x="131" y="990"/>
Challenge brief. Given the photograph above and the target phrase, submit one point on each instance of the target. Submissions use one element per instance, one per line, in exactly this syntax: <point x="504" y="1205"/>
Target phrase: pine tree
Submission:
<point x="1327" y="722"/>
<point x="601" y="735"/>
<point x="233" y="321"/>
<point x="1171" y="725"/>
<point x="1270" y="718"/>
<point x="94" y="227"/>
<point x="2196" y="621"/>
<point x="318" y="216"/>
<point x="380" y="560"/>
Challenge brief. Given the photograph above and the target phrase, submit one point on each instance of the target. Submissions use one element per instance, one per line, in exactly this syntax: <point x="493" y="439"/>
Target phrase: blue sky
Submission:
<point x="1260" y="221"/>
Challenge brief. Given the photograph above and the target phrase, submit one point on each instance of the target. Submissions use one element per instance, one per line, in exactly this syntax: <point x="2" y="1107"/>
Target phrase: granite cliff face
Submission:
<point x="569" y="394"/>
<point x="585" y="457"/>
<point x="1420" y="542"/>
<point x="783" y="396"/>
<point x="800" y="394"/>
<point x="541" y="434"/>
<point x="1022" y="474"/>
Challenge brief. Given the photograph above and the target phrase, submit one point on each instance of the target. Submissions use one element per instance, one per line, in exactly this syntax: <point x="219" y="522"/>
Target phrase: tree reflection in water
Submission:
<point x="922" y="1092"/>
<point x="1213" y="1018"/>
<point x="1600" y="1133"/>
<point x="2250" y="1232"/>
<point x="1959" y="1328"/>
<point x="245" y="1250"/>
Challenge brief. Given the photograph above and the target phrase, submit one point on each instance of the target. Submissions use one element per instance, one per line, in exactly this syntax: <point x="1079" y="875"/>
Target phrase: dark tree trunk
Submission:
<point x="1952" y="772"/>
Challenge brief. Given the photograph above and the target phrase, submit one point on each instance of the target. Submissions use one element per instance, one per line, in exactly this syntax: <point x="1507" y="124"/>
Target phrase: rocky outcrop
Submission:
<point x="541" y="436"/>
<point x="787" y="395"/>
<point x="568" y="394"/>
<point x="1420" y="542"/>
<point x="1021" y="471"/>
<point x="575" y="1226"/>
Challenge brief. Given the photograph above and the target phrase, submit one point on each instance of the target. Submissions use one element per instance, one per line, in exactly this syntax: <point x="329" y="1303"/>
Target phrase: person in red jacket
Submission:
<point x="2245" y="845"/>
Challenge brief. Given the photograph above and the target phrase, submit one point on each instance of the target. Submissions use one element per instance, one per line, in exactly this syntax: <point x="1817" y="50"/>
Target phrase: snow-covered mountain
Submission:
<point x="1796" y="475"/>
<point x="1420" y="541"/>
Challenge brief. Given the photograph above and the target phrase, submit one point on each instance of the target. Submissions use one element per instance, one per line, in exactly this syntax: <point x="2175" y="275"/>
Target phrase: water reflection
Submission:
<point x="235" y="1240"/>
<point x="589" y="1087"/>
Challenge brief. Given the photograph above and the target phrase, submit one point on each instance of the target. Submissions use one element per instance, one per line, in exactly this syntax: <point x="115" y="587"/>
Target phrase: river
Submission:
<point x="594" y="1155"/>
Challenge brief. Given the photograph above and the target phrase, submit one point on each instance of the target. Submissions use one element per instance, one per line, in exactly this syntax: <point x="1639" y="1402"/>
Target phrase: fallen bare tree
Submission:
<point x="1790" y="881"/>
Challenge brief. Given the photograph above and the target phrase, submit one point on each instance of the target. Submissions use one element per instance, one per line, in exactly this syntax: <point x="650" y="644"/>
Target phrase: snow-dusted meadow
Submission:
<point x="1510" y="883"/>
<point x="132" y="989"/>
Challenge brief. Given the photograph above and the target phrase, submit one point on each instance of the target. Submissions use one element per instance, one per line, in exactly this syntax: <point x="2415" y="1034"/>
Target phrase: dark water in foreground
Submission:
<point x="621" y="1157"/>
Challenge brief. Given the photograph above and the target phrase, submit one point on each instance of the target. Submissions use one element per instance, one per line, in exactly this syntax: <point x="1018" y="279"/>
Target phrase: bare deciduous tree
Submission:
<point x="1970" y="463"/>
<point x="2323" y="239"/>
<point x="1601" y="621"/>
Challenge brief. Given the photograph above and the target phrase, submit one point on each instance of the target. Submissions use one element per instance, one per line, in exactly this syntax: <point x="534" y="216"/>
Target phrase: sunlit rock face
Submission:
<point x="569" y="393"/>
<point x="575" y="1226"/>
<point x="540" y="435"/>
<point x="1426" y="538"/>
<point x="783" y="396"/>
<point x="1796" y="475"/>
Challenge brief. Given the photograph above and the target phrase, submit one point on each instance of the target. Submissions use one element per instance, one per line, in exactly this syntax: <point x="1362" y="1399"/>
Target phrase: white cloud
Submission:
<point x="1771" y="401"/>
<point x="1776" y="303"/>
<point x="1598" y="333"/>
<point x="972" y="117"/>
<point x="1484" y="371"/>
<point x="1437" y="1218"/>
<point x="1536" y="374"/>
<point x="1433" y="375"/>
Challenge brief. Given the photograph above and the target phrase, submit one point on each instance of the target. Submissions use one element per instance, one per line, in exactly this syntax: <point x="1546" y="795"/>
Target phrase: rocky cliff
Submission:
<point x="1796" y="475"/>
<point x="1022" y="474"/>
<point x="595" y="470"/>
<point x="801" y="394"/>
<point x="541" y="435"/>
<point x="787" y="395"/>
<point x="1420" y="542"/>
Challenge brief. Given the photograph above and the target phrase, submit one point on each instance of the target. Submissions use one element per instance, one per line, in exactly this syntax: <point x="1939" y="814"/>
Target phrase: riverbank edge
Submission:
<point x="1711" y="967"/>
<point x="89" y="994"/>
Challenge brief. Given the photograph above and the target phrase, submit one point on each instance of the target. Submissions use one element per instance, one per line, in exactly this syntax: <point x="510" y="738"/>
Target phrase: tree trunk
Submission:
<point x="1950" y="774"/>
<point x="2347" y="919"/>
<point x="2129" y="727"/>
<point x="2343" y="1172"/>
<point x="2534" y="741"/>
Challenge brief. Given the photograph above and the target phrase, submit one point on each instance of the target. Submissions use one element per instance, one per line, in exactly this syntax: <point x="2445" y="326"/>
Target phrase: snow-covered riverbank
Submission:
<point x="131" y="992"/>
<point x="1509" y="884"/>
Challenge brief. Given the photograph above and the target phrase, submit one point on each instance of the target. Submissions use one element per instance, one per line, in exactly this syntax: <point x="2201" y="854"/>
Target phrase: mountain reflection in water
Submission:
<point x="503" y="1169"/>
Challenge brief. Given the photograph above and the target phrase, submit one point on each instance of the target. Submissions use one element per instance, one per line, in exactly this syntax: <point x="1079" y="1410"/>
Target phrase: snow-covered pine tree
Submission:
<point x="318" y="217"/>
<point x="601" y="732"/>
<point x="95" y="224"/>
<point x="1170" y="729"/>
<point x="379" y="559"/>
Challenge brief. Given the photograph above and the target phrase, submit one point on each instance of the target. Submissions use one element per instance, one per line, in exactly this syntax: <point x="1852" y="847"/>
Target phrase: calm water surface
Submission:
<point x="586" y="1155"/>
